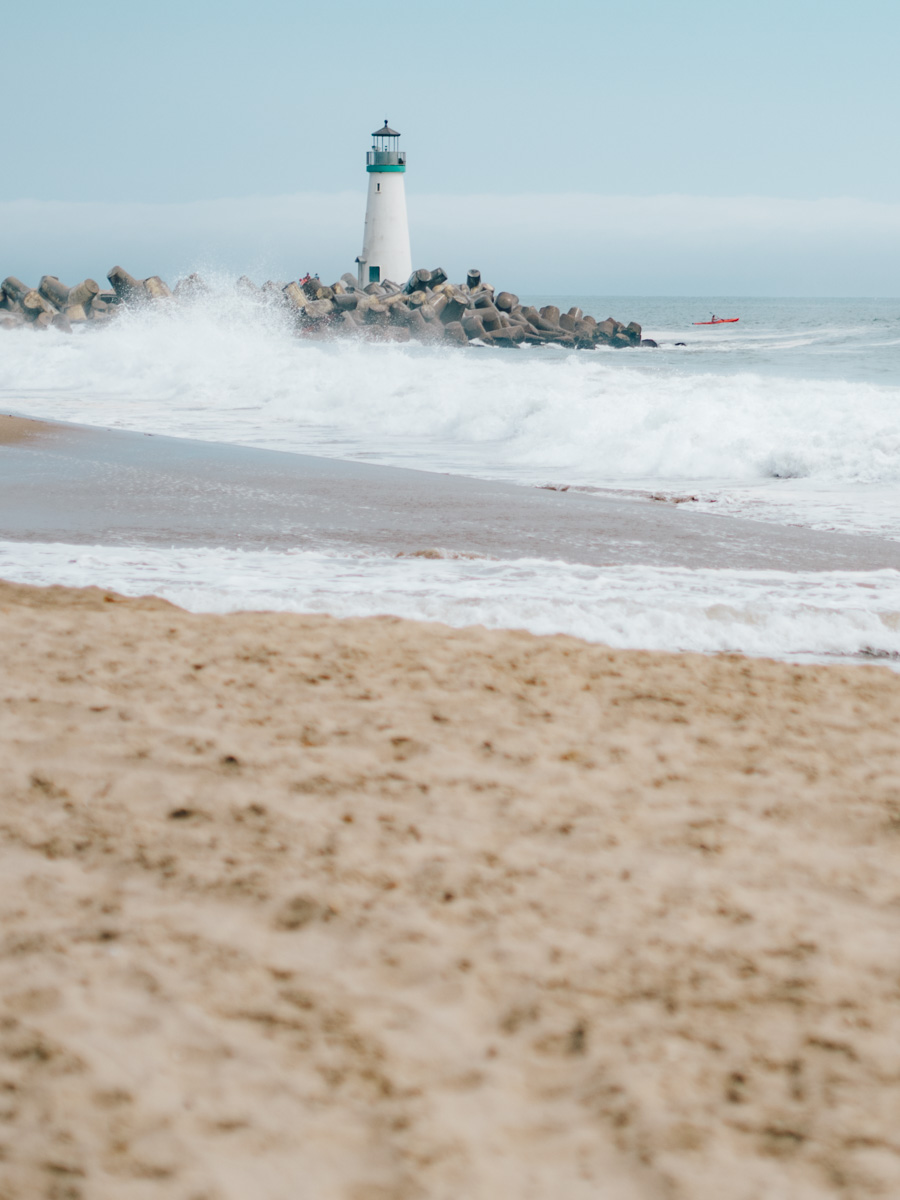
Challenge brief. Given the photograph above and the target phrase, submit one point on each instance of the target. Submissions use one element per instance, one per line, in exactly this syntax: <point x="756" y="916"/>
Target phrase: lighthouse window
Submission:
<point x="377" y="187"/>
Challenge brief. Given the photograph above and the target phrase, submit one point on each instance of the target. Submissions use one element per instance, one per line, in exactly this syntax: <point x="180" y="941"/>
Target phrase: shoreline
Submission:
<point x="82" y="485"/>
<point x="427" y="911"/>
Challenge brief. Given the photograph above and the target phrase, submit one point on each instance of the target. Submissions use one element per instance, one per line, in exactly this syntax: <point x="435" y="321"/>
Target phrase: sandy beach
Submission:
<point x="449" y="603"/>
<point x="299" y="907"/>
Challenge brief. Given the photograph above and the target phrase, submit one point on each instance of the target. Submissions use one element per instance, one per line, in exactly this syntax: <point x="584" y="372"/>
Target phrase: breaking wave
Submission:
<point x="226" y="370"/>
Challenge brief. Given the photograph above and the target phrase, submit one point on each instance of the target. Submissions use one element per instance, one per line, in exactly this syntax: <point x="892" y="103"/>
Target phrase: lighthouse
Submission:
<point x="385" y="252"/>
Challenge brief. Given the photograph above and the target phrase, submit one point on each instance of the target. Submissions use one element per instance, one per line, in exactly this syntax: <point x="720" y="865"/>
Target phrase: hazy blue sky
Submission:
<point x="132" y="123"/>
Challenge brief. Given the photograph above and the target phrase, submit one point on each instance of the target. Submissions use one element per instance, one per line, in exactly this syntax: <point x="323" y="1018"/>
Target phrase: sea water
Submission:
<point x="790" y="415"/>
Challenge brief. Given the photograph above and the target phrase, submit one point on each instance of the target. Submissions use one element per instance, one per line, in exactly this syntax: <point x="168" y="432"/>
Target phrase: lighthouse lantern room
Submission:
<point x="385" y="253"/>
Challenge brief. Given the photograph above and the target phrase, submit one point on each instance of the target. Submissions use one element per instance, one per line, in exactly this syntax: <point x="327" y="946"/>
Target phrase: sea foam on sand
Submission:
<point x="293" y="906"/>
<point x="781" y="613"/>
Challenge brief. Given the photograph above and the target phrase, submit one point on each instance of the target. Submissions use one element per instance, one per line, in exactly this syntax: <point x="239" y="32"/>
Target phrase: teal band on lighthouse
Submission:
<point x="385" y="254"/>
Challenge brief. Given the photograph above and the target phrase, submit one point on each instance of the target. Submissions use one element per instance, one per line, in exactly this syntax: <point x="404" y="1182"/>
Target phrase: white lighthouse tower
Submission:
<point x="385" y="252"/>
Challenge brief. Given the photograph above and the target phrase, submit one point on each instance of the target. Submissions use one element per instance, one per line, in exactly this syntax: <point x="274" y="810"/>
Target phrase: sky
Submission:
<point x="666" y="148"/>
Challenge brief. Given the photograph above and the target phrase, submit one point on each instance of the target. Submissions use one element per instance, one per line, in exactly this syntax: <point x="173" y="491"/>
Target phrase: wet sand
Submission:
<point x="293" y="907"/>
<point x="92" y="486"/>
<point x="14" y="430"/>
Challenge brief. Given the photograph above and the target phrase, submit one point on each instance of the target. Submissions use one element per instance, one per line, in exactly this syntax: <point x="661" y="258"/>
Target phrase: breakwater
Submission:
<point x="427" y="308"/>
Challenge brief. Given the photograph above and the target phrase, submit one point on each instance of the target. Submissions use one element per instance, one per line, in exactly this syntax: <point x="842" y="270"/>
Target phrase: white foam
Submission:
<point x="769" y="613"/>
<point x="224" y="369"/>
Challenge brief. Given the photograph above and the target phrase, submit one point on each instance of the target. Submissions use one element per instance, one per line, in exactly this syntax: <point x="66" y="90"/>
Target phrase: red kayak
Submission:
<point x="719" y="321"/>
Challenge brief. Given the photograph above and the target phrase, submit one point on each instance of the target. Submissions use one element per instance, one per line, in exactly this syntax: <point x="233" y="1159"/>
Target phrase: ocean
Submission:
<point x="792" y="416"/>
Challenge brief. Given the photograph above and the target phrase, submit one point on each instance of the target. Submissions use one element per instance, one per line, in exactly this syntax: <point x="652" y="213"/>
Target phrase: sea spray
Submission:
<point x="732" y="419"/>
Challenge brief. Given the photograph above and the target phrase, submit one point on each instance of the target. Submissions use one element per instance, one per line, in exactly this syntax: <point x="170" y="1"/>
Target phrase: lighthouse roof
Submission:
<point x="386" y="131"/>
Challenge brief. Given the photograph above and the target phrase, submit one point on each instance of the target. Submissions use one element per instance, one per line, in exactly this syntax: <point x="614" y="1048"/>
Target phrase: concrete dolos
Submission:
<point x="427" y="307"/>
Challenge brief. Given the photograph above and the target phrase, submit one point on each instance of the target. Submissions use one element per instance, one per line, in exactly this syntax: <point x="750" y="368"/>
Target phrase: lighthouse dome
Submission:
<point x="385" y="155"/>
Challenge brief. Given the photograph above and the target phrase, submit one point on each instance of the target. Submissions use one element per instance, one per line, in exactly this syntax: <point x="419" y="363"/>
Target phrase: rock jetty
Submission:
<point x="427" y="308"/>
